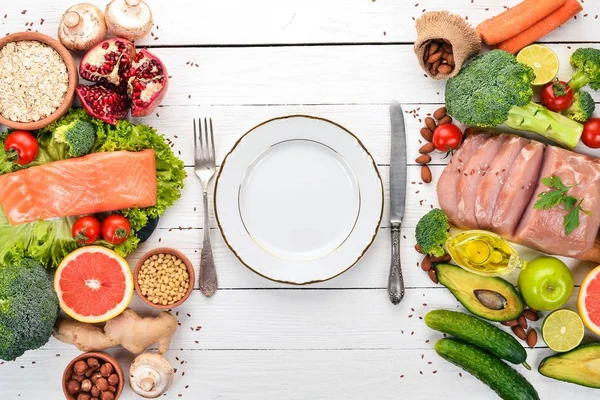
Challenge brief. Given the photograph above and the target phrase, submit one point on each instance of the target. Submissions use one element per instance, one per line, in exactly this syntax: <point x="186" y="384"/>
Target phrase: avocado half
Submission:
<point x="580" y="366"/>
<point x="488" y="297"/>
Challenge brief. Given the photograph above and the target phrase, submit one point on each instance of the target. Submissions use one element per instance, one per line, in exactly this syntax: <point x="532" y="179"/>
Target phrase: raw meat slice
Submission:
<point x="493" y="181"/>
<point x="543" y="229"/>
<point x="473" y="173"/>
<point x="518" y="189"/>
<point x="448" y="182"/>
<point x="94" y="183"/>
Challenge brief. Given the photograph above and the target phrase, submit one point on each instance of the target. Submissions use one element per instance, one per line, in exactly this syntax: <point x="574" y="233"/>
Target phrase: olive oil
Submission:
<point x="483" y="253"/>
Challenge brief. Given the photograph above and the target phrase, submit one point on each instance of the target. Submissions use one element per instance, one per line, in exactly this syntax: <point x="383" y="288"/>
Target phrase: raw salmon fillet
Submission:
<point x="86" y="185"/>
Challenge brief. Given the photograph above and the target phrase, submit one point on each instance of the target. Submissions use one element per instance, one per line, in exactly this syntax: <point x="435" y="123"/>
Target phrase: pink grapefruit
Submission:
<point x="588" y="301"/>
<point x="93" y="284"/>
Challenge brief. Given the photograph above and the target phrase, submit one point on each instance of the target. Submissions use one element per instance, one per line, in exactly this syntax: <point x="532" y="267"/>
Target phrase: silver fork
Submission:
<point x="205" y="167"/>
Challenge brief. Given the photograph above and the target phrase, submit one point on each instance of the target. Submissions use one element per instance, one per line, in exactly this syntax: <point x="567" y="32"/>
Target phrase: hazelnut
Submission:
<point x="112" y="389"/>
<point x="113" y="379"/>
<point x="73" y="386"/>
<point x="84" y="396"/>
<point x="89" y="373"/>
<point x="86" y="385"/>
<point x="107" y="396"/>
<point x="95" y="391"/>
<point x="95" y="377"/>
<point x="106" y="370"/>
<point x="93" y="363"/>
<point x="102" y="384"/>
<point x="80" y="367"/>
<point x="77" y="377"/>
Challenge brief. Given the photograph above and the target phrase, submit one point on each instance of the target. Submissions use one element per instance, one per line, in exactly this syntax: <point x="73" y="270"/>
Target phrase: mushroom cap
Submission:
<point x="82" y="27"/>
<point x="150" y="375"/>
<point x="129" y="19"/>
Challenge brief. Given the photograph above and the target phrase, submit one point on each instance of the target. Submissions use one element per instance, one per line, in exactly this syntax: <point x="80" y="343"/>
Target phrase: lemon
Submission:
<point x="543" y="61"/>
<point x="562" y="330"/>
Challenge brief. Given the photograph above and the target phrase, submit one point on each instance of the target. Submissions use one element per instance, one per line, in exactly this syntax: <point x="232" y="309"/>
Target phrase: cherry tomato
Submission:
<point x="115" y="229"/>
<point x="591" y="133"/>
<point x="557" y="95"/>
<point x="86" y="230"/>
<point x="447" y="137"/>
<point x="24" y="144"/>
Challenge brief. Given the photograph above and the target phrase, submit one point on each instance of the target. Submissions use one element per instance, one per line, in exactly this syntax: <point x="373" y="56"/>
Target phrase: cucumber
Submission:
<point x="489" y="369"/>
<point x="478" y="332"/>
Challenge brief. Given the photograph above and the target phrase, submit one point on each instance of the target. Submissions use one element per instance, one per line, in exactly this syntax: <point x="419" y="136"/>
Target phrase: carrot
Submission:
<point x="515" y="20"/>
<point x="542" y="27"/>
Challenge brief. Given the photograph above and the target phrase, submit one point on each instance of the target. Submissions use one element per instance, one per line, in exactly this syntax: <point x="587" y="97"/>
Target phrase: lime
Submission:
<point x="562" y="330"/>
<point x="543" y="61"/>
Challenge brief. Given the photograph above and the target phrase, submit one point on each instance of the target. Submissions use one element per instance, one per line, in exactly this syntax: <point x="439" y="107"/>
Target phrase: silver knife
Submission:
<point x="397" y="199"/>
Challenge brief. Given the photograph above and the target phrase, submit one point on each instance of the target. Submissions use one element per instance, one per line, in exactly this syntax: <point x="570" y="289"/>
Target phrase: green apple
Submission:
<point x="546" y="283"/>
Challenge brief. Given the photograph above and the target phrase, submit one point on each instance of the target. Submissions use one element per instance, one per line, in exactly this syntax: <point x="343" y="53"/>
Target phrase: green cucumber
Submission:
<point x="489" y="369"/>
<point x="478" y="332"/>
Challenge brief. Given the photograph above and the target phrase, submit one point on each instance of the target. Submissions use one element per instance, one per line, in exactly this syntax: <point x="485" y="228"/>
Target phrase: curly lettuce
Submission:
<point x="48" y="242"/>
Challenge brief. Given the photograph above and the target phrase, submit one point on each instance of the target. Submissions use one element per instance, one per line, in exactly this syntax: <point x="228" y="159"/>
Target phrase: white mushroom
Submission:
<point x="82" y="27"/>
<point x="129" y="19"/>
<point x="150" y="375"/>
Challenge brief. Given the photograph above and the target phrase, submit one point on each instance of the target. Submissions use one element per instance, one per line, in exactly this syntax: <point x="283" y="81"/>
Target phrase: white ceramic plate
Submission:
<point x="299" y="199"/>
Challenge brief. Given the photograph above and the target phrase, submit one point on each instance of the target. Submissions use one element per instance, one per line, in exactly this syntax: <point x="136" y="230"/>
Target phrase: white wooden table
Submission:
<point x="242" y="62"/>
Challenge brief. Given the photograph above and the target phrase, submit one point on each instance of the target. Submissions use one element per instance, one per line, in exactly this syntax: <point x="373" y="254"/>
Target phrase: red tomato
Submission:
<point x="86" y="230"/>
<point x="591" y="133"/>
<point x="447" y="137"/>
<point x="115" y="229"/>
<point x="557" y="96"/>
<point x="24" y="144"/>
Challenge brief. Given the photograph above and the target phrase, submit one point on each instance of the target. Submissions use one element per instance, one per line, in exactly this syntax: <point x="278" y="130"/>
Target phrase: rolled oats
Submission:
<point x="33" y="81"/>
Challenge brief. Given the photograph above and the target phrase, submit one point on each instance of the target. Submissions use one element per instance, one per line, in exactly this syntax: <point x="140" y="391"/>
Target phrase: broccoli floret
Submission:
<point x="79" y="136"/>
<point x="586" y="62"/>
<point x="28" y="308"/>
<point x="582" y="108"/>
<point x="432" y="232"/>
<point x="494" y="89"/>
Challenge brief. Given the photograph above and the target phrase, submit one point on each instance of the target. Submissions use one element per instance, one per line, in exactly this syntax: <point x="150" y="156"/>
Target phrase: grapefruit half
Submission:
<point x="93" y="284"/>
<point x="588" y="301"/>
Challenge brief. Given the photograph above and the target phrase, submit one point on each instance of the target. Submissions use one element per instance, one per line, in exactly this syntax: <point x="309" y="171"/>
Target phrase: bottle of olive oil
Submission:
<point x="483" y="253"/>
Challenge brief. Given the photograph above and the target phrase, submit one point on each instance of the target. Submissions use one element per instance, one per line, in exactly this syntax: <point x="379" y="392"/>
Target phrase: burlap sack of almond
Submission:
<point x="444" y="42"/>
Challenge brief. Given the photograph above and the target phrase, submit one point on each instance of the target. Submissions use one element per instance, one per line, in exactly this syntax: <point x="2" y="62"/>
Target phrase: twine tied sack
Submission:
<point x="444" y="42"/>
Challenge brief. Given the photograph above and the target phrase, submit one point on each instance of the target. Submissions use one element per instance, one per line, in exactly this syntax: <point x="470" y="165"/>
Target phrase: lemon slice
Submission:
<point x="543" y="61"/>
<point x="562" y="330"/>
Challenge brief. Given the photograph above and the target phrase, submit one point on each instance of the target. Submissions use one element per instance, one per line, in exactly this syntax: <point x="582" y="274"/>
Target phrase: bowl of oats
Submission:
<point x="38" y="77"/>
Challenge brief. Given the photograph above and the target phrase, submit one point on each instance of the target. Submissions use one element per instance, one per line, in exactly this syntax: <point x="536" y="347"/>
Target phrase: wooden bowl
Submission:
<point x="176" y="253"/>
<point x="102" y="356"/>
<point x="71" y="71"/>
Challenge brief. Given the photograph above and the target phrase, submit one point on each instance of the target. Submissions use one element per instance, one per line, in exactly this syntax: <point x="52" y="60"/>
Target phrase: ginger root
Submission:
<point x="129" y="330"/>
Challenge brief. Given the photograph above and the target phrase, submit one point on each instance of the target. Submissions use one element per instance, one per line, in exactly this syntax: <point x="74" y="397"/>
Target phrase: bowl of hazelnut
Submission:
<point x="93" y="376"/>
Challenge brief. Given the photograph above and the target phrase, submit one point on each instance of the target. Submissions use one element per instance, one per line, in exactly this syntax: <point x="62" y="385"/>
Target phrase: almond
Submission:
<point x="439" y="113"/>
<point x="519" y="332"/>
<point x="450" y="60"/>
<point x="433" y="57"/>
<point x="512" y="323"/>
<point x="426" y="148"/>
<point x="445" y="258"/>
<point x="426" y="264"/>
<point x="532" y="337"/>
<point x="427" y="134"/>
<point x="447" y="47"/>
<point x="430" y="124"/>
<point x="531" y="315"/>
<point x="418" y="248"/>
<point x="436" y="65"/>
<point x="433" y="276"/>
<point x="446" y="120"/>
<point x="433" y="47"/>
<point x="423" y="159"/>
<point x="445" y="69"/>
<point x="425" y="174"/>
<point x="522" y="322"/>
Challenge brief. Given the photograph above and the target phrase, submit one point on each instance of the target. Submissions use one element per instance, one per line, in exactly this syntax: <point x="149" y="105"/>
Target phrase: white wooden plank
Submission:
<point x="212" y="22"/>
<point x="294" y="375"/>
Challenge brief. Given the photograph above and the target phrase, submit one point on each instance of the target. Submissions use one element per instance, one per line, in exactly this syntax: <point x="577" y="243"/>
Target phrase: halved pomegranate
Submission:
<point x="148" y="83"/>
<point x="108" y="61"/>
<point x="104" y="101"/>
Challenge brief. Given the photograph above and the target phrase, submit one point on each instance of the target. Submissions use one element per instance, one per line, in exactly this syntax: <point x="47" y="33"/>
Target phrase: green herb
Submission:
<point x="558" y="195"/>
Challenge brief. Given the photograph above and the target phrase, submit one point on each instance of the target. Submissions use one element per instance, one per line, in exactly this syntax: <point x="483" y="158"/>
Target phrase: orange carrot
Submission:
<point x="515" y="20"/>
<point x="542" y="27"/>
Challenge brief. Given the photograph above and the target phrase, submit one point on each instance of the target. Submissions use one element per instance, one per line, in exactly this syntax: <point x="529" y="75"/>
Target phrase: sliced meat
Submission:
<point x="518" y="189"/>
<point x="86" y="185"/>
<point x="474" y="171"/>
<point x="448" y="182"/>
<point x="543" y="229"/>
<point x="492" y="183"/>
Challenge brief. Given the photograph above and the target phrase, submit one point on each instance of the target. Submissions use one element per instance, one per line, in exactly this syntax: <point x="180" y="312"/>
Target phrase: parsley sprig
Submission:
<point x="558" y="195"/>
